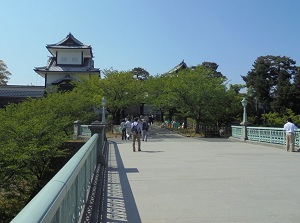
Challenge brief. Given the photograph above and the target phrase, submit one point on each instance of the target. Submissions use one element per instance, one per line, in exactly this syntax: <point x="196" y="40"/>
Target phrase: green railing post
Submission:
<point x="77" y="129"/>
<point x="98" y="127"/>
<point x="244" y="131"/>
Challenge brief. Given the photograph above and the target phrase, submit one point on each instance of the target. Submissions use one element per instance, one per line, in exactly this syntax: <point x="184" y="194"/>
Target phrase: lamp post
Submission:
<point x="103" y="110"/>
<point x="244" y="123"/>
<point x="244" y="103"/>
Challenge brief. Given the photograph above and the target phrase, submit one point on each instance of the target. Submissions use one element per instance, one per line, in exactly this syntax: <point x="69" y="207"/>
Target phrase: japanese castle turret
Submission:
<point x="70" y="59"/>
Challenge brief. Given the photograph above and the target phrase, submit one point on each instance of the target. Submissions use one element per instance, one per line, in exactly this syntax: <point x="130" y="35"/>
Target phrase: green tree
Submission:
<point x="140" y="73"/>
<point x="121" y="90"/>
<point x="179" y="93"/>
<point x="295" y="98"/>
<point x="271" y="81"/>
<point x="213" y="67"/>
<point x="274" y="119"/>
<point x="32" y="133"/>
<point x="90" y="88"/>
<point x="232" y="109"/>
<point x="4" y="73"/>
<point x="161" y="94"/>
<point x="198" y="94"/>
<point x="30" y="142"/>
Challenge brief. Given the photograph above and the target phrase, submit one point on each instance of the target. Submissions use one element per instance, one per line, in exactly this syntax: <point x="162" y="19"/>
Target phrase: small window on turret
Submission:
<point x="64" y="59"/>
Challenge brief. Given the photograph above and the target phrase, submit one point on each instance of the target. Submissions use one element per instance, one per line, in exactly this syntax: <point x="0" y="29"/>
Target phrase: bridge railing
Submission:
<point x="264" y="134"/>
<point x="236" y="132"/>
<point x="64" y="197"/>
<point x="85" y="131"/>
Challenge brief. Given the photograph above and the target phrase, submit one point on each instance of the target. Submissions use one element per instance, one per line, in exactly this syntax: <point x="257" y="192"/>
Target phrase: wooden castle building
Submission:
<point x="70" y="59"/>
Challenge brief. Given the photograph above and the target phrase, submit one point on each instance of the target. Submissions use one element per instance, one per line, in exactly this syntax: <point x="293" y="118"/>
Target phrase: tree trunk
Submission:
<point x="198" y="119"/>
<point x="116" y="117"/>
<point x="171" y="114"/>
<point x="185" y="123"/>
<point x="162" y="115"/>
<point x="197" y="130"/>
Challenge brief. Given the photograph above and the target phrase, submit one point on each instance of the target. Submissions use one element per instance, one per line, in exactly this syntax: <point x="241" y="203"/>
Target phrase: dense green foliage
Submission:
<point x="119" y="88"/>
<point x="31" y="135"/>
<point x="274" y="119"/>
<point x="199" y="93"/>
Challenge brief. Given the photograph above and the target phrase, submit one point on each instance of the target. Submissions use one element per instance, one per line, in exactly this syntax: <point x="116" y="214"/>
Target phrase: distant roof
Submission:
<point x="69" y="41"/>
<point x="182" y="65"/>
<point x="88" y="66"/>
<point x="21" y="91"/>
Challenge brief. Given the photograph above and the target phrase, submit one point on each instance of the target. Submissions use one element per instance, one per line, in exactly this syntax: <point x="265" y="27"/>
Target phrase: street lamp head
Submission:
<point x="103" y="102"/>
<point x="244" y="102"/>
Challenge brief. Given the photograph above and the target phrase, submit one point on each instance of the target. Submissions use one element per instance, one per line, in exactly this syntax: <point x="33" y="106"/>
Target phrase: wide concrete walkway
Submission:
<point x="180" y="179"/>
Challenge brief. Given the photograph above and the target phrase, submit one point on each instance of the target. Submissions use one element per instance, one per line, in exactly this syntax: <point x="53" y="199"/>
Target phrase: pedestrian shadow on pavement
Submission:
<point x="214" y="139"/>
<point x="149" y="151"/>
<point x="119" y="204"/>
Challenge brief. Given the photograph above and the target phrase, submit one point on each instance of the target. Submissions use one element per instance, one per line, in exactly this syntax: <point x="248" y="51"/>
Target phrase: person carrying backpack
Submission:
<point x="144" y="130"/>
<point x="136" y="134"/>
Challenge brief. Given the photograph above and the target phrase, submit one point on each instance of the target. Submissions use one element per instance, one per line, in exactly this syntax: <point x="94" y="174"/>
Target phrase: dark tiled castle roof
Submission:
<point x="182" y="65"/>
<point x="69" y="42"/>
<point x="88" y="66"/>
<point x="21" y="91"/>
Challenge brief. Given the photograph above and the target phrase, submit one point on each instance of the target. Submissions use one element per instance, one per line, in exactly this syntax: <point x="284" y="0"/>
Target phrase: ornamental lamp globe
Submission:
<point x="103" y="102"/>
<point x="244" y="102"/>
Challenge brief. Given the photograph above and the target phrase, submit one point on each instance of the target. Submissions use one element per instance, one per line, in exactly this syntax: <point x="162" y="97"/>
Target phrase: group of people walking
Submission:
<point x="135" y="130"/>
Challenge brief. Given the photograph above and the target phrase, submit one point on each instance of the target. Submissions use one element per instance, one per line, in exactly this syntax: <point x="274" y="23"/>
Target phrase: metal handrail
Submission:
<point x="64" y="196"/>
<point x="236" y="132"/>
<point x="265" y="134"/>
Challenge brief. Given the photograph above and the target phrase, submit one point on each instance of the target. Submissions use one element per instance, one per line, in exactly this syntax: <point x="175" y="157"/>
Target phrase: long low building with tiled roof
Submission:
<point x="18" y="93"/>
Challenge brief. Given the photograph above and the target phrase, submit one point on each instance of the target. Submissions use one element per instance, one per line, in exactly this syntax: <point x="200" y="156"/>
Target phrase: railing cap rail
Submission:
<point x="266" y="128"/>
<point x="39" y="208"/>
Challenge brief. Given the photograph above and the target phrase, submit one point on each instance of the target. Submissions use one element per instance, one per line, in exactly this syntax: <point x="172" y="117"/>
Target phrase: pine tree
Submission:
<point x="4" y="73"/>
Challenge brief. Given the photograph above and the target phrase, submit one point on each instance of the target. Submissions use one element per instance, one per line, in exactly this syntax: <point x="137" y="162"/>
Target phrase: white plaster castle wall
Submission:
<point x="51" y="77"/>
<point x="74" y="57"/>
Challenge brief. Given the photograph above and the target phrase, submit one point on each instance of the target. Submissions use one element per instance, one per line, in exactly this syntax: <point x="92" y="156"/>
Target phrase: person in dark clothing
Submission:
<point x="123" y="129"/>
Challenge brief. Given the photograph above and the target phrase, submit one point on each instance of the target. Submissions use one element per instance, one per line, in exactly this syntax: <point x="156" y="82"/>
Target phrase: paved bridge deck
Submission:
<point x="180" y="179"/>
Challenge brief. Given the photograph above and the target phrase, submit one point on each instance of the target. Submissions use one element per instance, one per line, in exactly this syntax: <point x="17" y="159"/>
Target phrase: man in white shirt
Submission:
<point x="290" y="128"/>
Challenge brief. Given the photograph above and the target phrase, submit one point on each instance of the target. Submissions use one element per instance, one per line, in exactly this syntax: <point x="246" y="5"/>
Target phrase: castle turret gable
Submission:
<point x="70" y="43"/>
